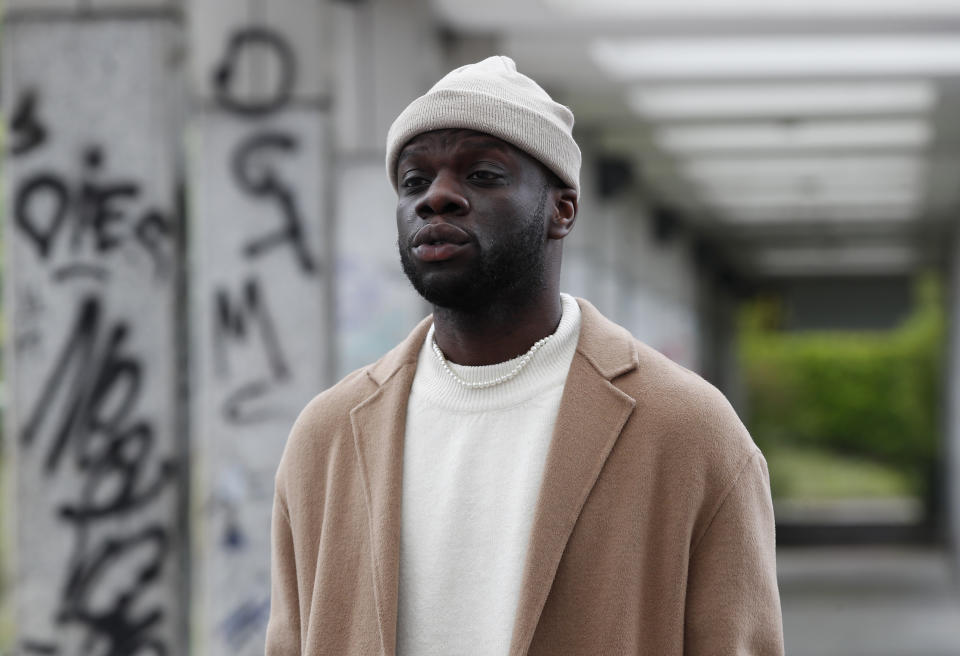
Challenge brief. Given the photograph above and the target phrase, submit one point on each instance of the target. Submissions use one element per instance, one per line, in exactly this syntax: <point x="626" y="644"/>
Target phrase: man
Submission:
<point x="519" y="475"/>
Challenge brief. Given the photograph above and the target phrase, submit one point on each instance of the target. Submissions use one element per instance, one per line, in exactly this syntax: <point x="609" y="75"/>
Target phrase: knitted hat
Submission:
<point x="492" y="97"/>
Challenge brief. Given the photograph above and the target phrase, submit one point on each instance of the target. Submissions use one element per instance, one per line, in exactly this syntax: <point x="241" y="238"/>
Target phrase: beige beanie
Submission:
<point x="492" y="97"/>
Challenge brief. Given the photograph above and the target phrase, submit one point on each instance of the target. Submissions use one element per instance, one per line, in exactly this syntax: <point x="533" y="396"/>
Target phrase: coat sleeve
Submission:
<point x="733" y="604"/>
<point x="283" y="628"/>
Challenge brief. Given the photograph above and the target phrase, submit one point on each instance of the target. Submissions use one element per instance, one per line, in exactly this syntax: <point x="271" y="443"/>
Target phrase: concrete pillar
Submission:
<point x="951" y="470"/>
<point x="260" y="285"/>
<point x="719" y="347"/>
<point x="589" y="267"/>
<point x="92" y="95"/>
<point x="659" y="297"/>
<point x="615" y="259"/>
<point x="386" y="54"/>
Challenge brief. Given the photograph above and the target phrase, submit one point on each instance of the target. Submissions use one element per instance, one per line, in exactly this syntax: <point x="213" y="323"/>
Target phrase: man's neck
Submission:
<point x="495" y="333"/>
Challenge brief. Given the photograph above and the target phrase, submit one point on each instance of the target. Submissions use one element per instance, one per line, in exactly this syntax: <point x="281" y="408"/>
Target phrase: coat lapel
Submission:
<point x="378" y="426"/>
<point x="592" y="413"/>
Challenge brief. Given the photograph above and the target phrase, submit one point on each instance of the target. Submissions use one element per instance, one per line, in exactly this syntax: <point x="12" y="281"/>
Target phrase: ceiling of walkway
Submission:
<point x="803" y="136"/>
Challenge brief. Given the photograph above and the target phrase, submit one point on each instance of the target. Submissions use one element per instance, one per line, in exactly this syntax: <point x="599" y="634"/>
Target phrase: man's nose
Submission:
<point x="444" y="196"/>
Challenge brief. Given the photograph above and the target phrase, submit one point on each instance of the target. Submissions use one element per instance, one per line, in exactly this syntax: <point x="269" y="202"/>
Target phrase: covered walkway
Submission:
<point x="869" y="601"/>
<point x="197" y="220"/>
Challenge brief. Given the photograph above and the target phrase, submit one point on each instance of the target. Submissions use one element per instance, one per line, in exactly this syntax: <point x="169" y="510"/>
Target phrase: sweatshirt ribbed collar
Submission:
<point x="547" y="369"/>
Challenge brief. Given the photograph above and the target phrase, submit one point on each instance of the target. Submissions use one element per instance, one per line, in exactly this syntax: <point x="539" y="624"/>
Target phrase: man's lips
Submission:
<point x="437" y="233"/>
<point x="436" y="242"/>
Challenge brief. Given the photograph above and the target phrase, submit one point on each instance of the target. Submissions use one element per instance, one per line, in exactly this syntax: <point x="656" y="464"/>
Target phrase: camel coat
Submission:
<point x="653" y="532"/>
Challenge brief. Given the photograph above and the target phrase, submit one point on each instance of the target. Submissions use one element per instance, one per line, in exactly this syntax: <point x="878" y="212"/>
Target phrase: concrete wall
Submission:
<point x="590" y="270"/>
<point x="260" y="281"/>
<point x="952" y="404"/>
<point x="660" y="291"/>
<point x="375" y="43"/>
<point x="93" y="418"/>
<point x="614" y="260"/>
<point x="719" y="348"/>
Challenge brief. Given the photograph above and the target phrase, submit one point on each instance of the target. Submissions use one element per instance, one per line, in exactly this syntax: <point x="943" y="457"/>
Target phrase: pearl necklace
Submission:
<point x="524" y="359"/>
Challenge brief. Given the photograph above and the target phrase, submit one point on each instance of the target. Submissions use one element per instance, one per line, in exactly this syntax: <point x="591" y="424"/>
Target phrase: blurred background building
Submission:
<point x="199" y="237"/>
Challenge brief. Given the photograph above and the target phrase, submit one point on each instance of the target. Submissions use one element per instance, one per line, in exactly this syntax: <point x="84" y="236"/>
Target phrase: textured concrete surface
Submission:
<point x="92" y="410"/>
<point x="259" y="289"/>
<point x="869" y="601"/>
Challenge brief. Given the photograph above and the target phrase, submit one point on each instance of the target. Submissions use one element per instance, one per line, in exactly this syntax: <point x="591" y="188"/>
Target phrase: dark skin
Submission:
<point x="490" y="261"/>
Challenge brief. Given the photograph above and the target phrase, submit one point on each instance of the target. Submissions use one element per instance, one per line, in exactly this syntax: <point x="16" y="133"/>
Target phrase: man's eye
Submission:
<point x="414" y="181"/>
<point x="484" y="175"/>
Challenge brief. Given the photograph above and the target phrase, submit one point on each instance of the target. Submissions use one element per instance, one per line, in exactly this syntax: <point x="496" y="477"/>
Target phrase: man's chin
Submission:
<point x="444" y="289"/>
<point x="470" y="289"/>
<point x="451" y="294"/>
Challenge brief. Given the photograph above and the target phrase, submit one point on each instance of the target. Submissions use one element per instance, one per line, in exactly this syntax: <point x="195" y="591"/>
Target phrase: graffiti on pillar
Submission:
<point x="86" y="413"/>
<point x="31" y="311"/>
<point x="25" y="125"/>
<point x="254" y="169"/>
<point x="245" y="42"/>
<point x="263" y="181"/>
<point x="84" y="220"/>
<point x="234" y="321"/>
<point x="250" y="161"/>
<point x="245" y="621"/>
<point x="253" y="362"/>
<point x="88" y="424"/>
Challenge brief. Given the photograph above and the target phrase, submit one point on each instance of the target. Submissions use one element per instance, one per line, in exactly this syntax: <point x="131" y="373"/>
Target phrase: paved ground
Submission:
<point x="869" y="602"/>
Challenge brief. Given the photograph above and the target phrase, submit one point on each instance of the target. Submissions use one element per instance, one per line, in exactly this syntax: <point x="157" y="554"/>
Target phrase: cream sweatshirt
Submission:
<point x="473" y="462"/>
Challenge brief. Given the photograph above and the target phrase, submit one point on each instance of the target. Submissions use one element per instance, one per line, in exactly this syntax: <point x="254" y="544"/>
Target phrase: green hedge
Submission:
<point x="873" y="395"/>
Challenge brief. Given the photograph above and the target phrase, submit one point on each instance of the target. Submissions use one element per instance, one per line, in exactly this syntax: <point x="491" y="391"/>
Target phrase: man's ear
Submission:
<point x="564" y="212"/>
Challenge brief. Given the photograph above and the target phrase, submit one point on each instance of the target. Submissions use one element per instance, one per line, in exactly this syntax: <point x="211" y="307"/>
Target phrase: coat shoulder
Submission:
<point x="693" y="422"/>
<point x="323" y="424"/>
<point x="674" y="405"/>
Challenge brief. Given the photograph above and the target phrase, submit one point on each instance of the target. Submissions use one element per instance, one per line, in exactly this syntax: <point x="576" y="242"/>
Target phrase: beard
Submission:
<point x="511" y="269"/>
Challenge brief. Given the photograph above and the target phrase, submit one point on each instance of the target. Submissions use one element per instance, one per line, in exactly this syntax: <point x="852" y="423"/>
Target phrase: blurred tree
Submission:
<point x="873" y="396"/>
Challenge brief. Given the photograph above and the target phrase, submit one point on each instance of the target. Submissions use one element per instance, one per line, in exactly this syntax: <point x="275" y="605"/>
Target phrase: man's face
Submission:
<point x="470" y="219"/>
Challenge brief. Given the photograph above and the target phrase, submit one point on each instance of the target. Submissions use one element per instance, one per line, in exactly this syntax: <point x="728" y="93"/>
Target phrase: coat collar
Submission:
<point x="606" y="346"/>
<point x="575" y="458"/>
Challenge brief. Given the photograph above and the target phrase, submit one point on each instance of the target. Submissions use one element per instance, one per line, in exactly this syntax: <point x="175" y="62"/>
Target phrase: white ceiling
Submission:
<point x="780" y="128"/>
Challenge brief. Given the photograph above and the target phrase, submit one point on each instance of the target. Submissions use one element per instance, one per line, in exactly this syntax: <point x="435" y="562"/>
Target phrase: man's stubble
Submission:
<point x="507" y="269"/>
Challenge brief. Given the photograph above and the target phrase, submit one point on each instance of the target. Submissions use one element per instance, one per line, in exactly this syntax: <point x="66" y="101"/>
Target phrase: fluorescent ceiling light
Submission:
<point x="811" y="214"/>
<point x="799" y="99"/>
<point x="847" y="168"/>
<point x="823" y="184"/>
<point x="891" y="133"/>
<point x="781" y="56"/>
<point x="837" y="258"/>
<point x="774" y="200"/>
<point x="706" y="9"/>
